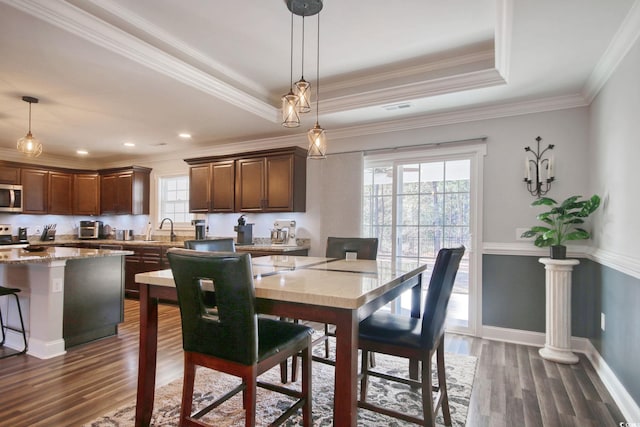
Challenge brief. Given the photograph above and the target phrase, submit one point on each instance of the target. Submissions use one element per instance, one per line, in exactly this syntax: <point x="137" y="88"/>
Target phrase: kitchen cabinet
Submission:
<point x="260" y="181"/>
<point x="35" y="190"/>
<point x="144" y="258"/>
<point x="86" y="194"/>
<point x="125" y="190"/>
<point x="273" y="183"/>
<point x="60" y="191"/>
<point x="9" y="174"/>
<point x="212" y="187"/>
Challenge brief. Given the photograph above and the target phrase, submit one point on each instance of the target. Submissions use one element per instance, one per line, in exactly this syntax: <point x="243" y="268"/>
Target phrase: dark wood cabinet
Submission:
<point x="260" y="181"/>
<point x="125" y="191"/>
<point x="9" y="174"/>
<point x="60" y="200"/>
<point x="86" y="194"/>
<point x="35" y="190"/>
<point x="145" y="258"/>
<point x="212" y="187"/>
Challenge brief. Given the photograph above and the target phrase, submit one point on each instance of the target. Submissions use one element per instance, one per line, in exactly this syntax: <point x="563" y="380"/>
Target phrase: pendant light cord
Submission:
<point x="29" y="117"/>
<point x="291" y="59"/>
<point x="318" y="74"/>
<point x="302" y="71"/>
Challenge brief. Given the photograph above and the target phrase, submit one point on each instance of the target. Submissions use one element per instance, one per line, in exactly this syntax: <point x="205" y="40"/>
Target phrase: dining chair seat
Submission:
<point x="4" y="327"/>
<point x="416" y="339"/>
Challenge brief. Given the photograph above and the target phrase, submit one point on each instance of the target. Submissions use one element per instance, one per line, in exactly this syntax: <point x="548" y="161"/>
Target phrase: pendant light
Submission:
<point x="316" y="135"/>
<point x="290" y="116"/>
<point x="28" y="144"/>
<point x="302" y="87"/>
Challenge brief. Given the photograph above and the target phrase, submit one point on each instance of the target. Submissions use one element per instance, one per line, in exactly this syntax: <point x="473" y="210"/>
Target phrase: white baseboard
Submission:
<point x="623" y="399"/>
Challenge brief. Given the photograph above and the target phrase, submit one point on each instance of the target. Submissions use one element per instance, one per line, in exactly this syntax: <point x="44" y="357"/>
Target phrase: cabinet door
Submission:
<point x="86" y="189"/>
<point x="108" y="194"/>
<point x="250" y="185"/>
<point x="222" y="186"/>
<point x="279" y="184"/>
<point x="60" y="193"/>
<point x="124" y="184"/>
<point x="34" y="191"/>
<point x="199" y="181"/>
<point x="9" y="175"/>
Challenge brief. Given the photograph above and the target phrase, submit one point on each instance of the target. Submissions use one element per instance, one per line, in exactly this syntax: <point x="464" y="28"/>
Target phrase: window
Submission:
<point x="416" y="204"/>
<point x="173" y="199"/>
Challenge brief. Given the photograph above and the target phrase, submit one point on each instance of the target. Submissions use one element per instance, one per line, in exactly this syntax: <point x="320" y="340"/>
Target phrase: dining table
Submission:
<point x="326" y="290"/>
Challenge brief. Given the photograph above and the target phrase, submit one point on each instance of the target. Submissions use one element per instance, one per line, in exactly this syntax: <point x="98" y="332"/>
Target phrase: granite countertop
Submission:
<point x="259" y="245"/>
<point x="54" y="253"/>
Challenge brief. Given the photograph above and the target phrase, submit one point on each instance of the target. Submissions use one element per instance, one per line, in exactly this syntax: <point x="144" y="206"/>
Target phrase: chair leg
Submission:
<point x="22" y="331"/>
<point x="283" y="371"/>
<point x="187" y="389"/>
<point x="326" y="342"/>
<point x="364" y="376"/>
<point x="442" y="383"/>
<point x="249" y="398"/>
<point x="307" y="418"/>
<point x="427" y="395"/>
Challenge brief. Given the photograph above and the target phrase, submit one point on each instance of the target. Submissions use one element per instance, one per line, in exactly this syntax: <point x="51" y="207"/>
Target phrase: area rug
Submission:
<point x="210" y="384"/>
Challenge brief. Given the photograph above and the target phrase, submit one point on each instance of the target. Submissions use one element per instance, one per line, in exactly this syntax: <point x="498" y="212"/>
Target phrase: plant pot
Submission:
<point x="558" y="252"/>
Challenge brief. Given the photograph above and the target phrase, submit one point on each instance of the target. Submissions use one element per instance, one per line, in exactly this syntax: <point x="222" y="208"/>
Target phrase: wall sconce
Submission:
<point x="539" y="185"/>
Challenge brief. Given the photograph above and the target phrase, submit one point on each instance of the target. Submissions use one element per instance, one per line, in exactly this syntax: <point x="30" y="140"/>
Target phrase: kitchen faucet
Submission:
<point x="173" y="236"/>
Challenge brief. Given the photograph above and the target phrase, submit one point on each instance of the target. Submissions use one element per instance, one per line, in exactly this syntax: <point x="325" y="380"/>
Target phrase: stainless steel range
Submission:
<point x="6" y="234"/>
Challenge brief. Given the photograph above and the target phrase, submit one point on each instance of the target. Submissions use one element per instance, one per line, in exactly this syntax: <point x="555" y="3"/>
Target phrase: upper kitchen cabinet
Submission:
<point x="60" y="200"/>
<point x="212" y="187"/>
<point x="86" y="194"/>
<point x="124" y="190"/>
<point x="35" y="190"/>
<point x="9" y="174"/>
<point x="260" y="181"/>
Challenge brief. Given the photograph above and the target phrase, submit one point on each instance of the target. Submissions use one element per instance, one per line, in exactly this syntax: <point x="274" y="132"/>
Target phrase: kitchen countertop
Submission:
<point x="259" y="246"/>
<point x="54" y="253"/>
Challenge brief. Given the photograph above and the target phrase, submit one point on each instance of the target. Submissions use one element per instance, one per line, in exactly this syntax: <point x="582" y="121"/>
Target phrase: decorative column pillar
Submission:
<point x="557" y="346"/>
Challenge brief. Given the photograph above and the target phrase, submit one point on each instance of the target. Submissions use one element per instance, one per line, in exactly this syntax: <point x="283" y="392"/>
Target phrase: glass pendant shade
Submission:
<point x="302" y="88"/>
<point x="317" y="143"/>
<point x="290" y="116"/>
<point x="30" y="145"/>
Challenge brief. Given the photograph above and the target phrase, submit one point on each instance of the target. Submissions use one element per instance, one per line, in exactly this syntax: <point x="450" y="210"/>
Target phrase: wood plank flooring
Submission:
<point x="513" y="385"/>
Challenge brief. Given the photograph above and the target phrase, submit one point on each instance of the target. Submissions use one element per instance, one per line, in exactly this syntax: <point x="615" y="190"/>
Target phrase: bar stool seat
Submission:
<point x="4" y="327"/>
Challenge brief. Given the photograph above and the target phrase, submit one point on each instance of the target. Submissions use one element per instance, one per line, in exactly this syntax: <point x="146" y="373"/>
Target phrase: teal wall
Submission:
<point x="513" y="296"/>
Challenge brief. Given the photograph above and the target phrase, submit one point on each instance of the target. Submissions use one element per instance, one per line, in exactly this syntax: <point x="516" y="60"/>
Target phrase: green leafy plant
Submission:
<point x="562" y="220"/>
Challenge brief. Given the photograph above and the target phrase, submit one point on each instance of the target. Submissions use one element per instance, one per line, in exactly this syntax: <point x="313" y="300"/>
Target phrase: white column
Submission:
<point x="558" y="310"/>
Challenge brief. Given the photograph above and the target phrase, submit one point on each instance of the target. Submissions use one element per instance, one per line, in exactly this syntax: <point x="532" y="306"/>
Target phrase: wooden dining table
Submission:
<point x="335" y="291"/>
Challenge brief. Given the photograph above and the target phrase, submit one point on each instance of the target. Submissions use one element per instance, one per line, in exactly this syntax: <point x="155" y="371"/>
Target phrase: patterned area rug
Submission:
<point x="210" y="384"/>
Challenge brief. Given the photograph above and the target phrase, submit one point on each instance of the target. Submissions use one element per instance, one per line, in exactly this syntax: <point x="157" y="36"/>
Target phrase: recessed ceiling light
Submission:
<point x="82" y="152"/>
<point x="129" y="144"/>
<point x="184" y="135"/>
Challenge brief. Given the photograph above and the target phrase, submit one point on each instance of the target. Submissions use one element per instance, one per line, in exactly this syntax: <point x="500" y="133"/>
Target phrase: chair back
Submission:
<point x="366" y="247"/>
<point x="232" y="334"/>
<point x="438" y="294"/>
<point x="224" y="245"/>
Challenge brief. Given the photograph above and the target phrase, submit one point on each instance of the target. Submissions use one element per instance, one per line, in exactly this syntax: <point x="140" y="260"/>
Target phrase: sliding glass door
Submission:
<point x="418" y="206"/>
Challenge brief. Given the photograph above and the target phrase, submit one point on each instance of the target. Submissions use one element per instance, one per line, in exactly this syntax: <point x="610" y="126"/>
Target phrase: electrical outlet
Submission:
<point x="57" y="285"/>
<point x="38" y="230"/>
<point x="602" y="321"/>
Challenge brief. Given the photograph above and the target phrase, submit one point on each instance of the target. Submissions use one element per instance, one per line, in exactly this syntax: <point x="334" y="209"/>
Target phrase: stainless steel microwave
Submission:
<point x="10" y="198"/>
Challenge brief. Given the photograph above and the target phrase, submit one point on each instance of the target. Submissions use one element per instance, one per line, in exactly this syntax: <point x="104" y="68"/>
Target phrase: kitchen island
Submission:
<point x="68" y="295"/>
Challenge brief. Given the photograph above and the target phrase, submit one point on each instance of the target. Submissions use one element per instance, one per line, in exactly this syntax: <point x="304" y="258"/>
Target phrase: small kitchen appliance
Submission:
<point x="90" y="230"/>
<point x="22" y="235"/>
<point x="245" y="232"/>
<point x="201" y="226"/>
<point x="284" y="232"/>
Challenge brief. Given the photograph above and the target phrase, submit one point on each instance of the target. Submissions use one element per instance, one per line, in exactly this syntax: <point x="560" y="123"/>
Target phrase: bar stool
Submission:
<point x="6" y="292"/>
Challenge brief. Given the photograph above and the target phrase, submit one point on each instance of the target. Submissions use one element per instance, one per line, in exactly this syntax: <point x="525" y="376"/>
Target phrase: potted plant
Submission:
<point x="562" y="223"/>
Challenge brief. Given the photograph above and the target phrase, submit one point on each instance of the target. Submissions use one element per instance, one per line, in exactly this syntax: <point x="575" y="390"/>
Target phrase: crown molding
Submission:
<point x="502" y="37"/>
<point x="51" y="160"/>
<point x="622" y="42"/>
<point x="423" y="89"/>
<point x="89" y="27"/>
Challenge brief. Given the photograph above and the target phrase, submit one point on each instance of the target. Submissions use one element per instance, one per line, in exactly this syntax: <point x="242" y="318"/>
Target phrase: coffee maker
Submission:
<point x="201" y="228"/>
<point x="245" y="232"/>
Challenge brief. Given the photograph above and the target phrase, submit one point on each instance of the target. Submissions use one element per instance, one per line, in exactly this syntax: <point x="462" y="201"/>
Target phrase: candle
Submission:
<point x="550" y="174"/>
<point x="527" y="171"/>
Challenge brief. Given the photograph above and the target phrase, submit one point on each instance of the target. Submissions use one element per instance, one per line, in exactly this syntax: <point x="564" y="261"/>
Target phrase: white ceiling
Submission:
<point x="113" y="71"/>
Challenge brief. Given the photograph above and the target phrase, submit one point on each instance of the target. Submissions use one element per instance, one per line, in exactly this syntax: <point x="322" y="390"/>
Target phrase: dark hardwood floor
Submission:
<point x="513" y="385"/>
